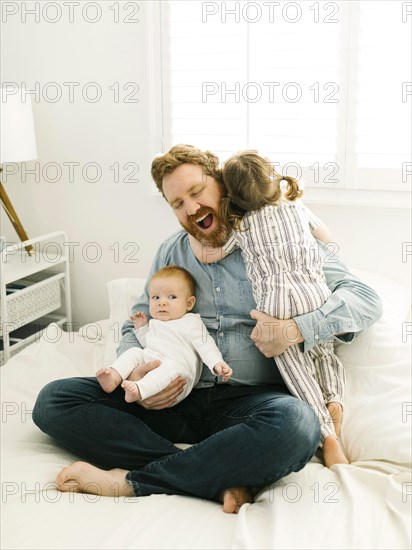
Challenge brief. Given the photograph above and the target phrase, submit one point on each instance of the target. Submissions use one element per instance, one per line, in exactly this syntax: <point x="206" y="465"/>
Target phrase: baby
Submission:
<point x="177" y="338"/>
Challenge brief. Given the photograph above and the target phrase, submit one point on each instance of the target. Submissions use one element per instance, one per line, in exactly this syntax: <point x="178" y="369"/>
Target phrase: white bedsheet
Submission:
<point x="364" y="505"/>
<point x="35" y="515"/>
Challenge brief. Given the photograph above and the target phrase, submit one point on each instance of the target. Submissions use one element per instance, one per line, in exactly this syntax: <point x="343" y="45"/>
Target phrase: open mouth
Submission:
<point x="205" y="222"/>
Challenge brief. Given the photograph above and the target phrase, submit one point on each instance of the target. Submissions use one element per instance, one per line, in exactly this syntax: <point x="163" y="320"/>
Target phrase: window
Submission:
<point x="323" y="88"/>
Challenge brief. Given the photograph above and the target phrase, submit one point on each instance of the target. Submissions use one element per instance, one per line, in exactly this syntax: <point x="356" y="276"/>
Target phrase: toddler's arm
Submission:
<point x="322" y="233"/>
<point x="318" y="229"/>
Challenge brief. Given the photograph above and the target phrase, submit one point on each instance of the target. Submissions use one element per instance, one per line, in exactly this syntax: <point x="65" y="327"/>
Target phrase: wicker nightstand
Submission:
<point x="34" y="290"/>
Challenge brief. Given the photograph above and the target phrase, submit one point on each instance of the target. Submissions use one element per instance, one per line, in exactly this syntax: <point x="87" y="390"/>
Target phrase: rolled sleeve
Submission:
<point x="352" y="307"/>
<point x="323" y="325"/>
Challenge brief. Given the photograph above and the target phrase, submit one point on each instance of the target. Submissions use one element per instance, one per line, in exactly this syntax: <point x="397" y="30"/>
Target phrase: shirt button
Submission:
<point x="316" y="337"/>
<point x="221" y="333"/>
<point x="218" y="289"/>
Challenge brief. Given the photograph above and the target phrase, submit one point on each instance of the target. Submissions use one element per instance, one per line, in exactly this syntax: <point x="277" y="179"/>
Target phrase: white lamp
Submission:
<point x="18" y="142"/>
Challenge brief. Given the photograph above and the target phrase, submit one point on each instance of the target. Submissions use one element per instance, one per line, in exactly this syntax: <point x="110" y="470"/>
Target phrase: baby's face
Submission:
<point x="170" y="298"/>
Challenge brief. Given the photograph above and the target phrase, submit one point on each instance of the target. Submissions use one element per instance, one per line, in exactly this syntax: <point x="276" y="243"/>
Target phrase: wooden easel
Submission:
<point x="8" y="207"/>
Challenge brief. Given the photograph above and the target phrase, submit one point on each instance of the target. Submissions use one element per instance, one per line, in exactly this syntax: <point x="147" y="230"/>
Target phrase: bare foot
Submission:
<point x="234" y="498"/>
<point x="108" y="378"/>
<point x="81" y="477"/>
<point x="332" y="452"/>
<point x="132" y="392"/>
<point x="336" y="412"/>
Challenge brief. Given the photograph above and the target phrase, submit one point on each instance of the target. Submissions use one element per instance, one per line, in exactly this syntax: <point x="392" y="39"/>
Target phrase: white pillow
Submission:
<point x="378" y="368"/>
<point x="377" y="416"/>
<point x="123" y="295"/>
<point x="396" y="298"/>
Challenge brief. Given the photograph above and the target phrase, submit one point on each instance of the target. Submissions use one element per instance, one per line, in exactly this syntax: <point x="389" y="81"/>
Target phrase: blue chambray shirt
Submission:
<point x="224" y="299"/>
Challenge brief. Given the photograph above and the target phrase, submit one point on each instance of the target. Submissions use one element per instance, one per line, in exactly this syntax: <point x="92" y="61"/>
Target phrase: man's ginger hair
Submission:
<point x="184" y="154"/>
<point x="176" y="271"/>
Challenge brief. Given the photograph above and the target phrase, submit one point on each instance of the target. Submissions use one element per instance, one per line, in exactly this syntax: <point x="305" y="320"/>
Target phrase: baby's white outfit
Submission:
<point x="180" y="344"/>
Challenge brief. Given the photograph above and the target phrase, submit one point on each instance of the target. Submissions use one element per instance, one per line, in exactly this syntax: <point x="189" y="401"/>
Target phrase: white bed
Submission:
<point x="364" y="505"/>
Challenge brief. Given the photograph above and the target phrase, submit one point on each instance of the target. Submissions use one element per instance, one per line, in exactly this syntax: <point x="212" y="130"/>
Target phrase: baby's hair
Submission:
<point x="252" y="182"/>
<point x="176" y="271"/>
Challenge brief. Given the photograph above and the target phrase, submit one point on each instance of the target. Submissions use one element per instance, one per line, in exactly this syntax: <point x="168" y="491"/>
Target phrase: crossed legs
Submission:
<point x="250" y="440"/>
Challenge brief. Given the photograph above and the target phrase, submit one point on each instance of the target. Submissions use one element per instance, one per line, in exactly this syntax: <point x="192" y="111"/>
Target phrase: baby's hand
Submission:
<point x="139" y="319"/>
<point x="222" y="369"/>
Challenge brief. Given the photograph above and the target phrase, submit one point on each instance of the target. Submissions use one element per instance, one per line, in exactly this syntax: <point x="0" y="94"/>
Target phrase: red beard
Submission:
<point x="215" y="238"/>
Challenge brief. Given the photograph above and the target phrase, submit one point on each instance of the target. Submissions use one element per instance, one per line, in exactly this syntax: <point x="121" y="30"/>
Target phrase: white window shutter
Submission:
<point x="322" y="91"/>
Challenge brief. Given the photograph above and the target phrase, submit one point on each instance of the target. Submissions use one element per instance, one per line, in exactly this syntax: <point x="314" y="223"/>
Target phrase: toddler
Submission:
<point x="283" y="264"/>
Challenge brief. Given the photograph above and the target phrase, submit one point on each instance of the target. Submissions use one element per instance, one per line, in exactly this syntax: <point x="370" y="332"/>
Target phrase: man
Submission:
<point x="246" y="433"/>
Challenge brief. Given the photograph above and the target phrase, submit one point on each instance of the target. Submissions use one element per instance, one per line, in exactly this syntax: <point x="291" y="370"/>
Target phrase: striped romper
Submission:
<point x="284" y="266"/>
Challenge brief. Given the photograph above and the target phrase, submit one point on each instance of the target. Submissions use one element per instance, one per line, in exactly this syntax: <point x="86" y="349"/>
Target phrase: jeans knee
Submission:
<point x="304" y="425"/>
<point x="45" y="408"/>
<point x="289" y="435"/>
<point x="296" y="418"/>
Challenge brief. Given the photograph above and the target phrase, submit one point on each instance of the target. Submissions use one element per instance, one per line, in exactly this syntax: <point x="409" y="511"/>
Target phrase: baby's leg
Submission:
<point x="158" y="379"/>
<point x="298" y="371"/>
<point x="108" y="378"/>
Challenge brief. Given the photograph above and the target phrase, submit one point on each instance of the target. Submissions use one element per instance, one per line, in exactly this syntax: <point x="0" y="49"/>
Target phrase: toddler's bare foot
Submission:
<point x="108" y="378"/>
<point x="234" y="498"/>
<point x="81" y="477"/>
<point x="332" y="452"/>
<point x="132" y="391"/>
<point x="336" y="412"/>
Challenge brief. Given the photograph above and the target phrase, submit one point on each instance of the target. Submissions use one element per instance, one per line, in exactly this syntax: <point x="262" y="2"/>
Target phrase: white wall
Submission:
<point x="107" y="132"/>
<point x="371" y="238"/>
<point x="104" y="132"/>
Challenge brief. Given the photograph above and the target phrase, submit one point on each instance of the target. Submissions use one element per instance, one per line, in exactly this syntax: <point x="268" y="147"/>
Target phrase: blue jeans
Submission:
<point x="245" y="436"/>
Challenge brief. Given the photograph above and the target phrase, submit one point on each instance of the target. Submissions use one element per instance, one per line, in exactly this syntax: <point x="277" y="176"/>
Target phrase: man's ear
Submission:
<point x="191" y="303"/>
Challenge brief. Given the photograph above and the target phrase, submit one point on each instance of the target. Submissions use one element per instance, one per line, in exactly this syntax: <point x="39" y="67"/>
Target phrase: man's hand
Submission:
<point x="273" y="336"/>
<point x="163" y="399"/>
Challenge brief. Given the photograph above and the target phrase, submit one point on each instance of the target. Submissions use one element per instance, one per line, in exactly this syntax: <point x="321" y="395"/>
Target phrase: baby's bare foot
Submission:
<point x="108" y="378"/>
<point x="132" y="391"/>
<point x="332" y="452"/>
